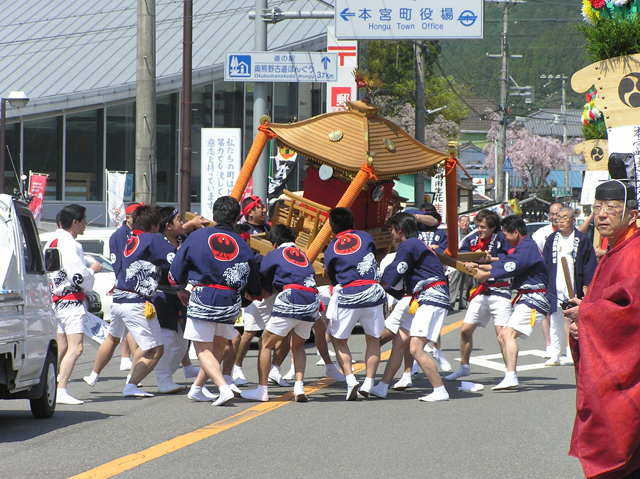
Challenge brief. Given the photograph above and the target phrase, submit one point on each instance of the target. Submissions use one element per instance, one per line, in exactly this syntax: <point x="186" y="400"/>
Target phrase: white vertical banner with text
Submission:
<point x="439" y="199"/>
<point x="115" y="197"/>
<point x="343" y="90"/>
<point x="221" y="164"/>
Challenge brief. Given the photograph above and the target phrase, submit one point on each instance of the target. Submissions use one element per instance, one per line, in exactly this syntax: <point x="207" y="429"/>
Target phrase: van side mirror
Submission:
<point x="51" y="260"/>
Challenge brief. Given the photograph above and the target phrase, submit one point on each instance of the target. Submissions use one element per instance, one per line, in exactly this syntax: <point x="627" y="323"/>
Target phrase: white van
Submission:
<point x="28" y="346"/>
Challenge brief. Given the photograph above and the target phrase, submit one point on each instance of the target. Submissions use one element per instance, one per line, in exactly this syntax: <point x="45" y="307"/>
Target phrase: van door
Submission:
<point x="38" y="309"/>
<point x="12" y="327"/>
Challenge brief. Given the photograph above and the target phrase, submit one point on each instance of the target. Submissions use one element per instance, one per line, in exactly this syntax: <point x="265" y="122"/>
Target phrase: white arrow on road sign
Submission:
<point x="508" y="166"/>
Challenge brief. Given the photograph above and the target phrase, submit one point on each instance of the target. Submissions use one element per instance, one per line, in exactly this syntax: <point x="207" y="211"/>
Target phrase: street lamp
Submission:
<point x="17" y="99"/>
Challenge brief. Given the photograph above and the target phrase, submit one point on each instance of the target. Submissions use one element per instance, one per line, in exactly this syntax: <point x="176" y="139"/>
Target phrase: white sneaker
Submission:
<point x="131" y="390"/>
<point x="170" y="388"/>
<point x="276" y="377"/>
<point x="298" y="392"/>
<point x="225" y="396"/>
<point x="257" y="394"/>
<point x="440" y="359"/>
<point x="332" y="372"/>
<point x="63" y="397"/>
<point x="352" y="391"/>
<point x="125" y="364"/>
<point x="291" y="375"/>
<point x="463" y="370"/>
<point x="506" y="383"/>
<point x="378" y="391"/>
<point x="203" y="395"/>
<point x="553" y="361"/>
<point x="402" y="384"/>
<point x="415" y="369"/>
<point x="91" y="382"/>
<point x="190" y="372"/>
<point x="435" y="396"/>
<point x="238" y="376"/>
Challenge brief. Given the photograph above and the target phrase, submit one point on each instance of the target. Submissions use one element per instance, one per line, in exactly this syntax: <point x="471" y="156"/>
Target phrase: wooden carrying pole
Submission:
<point x="365" y="174"/>
<point x="451" y="183"/>
<point x="264" y="134"/>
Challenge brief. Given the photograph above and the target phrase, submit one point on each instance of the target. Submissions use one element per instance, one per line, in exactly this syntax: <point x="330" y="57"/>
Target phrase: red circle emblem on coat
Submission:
<point x="223" y="247"/>
<point x="347" y="244"/>
<point x="132" y="245"/>
<point x="295" y="256"/>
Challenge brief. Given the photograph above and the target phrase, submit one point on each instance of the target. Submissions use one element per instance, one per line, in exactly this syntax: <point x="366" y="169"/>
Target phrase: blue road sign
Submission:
<point x="508" y="166"/>
<point x="281" y="67"/>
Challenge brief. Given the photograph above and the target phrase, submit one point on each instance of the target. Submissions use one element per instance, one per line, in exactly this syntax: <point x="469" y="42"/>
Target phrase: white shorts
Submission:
<point x="428" y="321"/>
<point x="204" y="331"/>
<point x="486" y="306"/>
<point x="256" y="315"/>
<point x="71" y="320"/>
<point x="371" y="319"/>
<point x="117" y="329"/>
<point x="146" y="332"/>
<point x="400" y="316"/>
<point x="324" y="294"/>
<point x="520" y="319"/>
<point x="281" y="326"/>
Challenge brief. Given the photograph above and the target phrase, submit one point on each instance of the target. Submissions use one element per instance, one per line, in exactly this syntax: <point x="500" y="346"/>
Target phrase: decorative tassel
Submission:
<point x="413" y="307"/>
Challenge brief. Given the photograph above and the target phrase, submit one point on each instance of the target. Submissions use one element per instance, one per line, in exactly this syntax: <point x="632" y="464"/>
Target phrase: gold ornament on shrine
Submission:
<point x="389" y="144"/>
<point x="335" y="135"/>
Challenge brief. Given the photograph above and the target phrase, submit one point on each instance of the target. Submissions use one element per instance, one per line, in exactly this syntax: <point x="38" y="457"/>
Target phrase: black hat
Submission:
<point x="615" y="190"/>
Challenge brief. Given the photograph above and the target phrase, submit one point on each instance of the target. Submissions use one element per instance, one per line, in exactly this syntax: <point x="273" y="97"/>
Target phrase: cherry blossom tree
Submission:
<point x="533" y="157"/>
<point x="438" y="133"/>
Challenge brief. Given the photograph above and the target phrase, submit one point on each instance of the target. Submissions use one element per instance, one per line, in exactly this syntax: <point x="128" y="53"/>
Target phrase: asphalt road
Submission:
<point x="518" y="434"/>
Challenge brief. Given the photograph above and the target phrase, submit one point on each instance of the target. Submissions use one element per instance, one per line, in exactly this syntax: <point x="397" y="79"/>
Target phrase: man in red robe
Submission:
<point x="605" y="344"/>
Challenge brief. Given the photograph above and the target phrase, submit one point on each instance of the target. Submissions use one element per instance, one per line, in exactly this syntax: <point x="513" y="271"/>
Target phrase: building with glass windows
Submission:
<point x="76" y="62"/>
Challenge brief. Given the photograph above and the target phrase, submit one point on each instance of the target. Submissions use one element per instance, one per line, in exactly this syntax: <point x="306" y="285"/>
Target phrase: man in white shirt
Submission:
<point x="576" y="249"/>
<point x="68" y="286"/>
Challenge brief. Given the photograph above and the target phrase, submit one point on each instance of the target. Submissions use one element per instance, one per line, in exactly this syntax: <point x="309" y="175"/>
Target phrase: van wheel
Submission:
<point x="44" y="406"/>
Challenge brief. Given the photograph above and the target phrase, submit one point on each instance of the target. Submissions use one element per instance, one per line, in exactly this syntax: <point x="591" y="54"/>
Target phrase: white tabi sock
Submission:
<point x="351" y="380"/>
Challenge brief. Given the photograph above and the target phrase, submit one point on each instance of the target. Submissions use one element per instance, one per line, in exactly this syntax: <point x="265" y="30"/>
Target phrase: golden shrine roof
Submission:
<point x="344" y="139"/>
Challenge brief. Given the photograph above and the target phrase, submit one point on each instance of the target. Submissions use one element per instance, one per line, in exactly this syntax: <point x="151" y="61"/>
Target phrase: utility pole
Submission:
<point x="499" y="183"/>
<point x="261" y="172"/>
<point x="499" y="187"/>
<point x="185" y="131"/>
<point x="563" y="113"/>
<point x="563" y="110"/>
<point x="420" y="119"/>
<point x="146" y="159"/>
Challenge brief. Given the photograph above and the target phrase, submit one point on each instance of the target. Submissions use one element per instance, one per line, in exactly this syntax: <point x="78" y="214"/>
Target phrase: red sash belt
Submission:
<point x="68" y="297"/>
<point x="216" y="286"/>
<point x="299" y="287"/>
<point x="303" y="288"/>
<point x="430" y="285"/>
<point x="483" y="287"/>
<point x="525" y="291"/>
<point x="360" y="282"/>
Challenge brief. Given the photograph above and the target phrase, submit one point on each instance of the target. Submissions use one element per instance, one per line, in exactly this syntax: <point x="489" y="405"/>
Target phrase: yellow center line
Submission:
<point x="125" y="463"/>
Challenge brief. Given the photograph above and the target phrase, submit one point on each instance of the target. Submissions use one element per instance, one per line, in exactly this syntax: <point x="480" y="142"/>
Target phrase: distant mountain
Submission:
<point x="543" y="32"/>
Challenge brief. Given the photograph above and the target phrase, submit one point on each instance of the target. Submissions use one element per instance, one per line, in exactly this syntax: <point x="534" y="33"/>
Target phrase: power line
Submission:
<point x="178" y="20"/>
